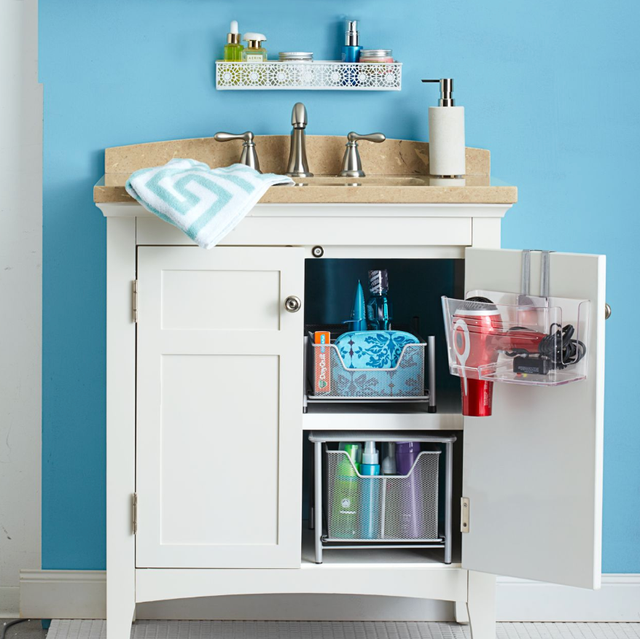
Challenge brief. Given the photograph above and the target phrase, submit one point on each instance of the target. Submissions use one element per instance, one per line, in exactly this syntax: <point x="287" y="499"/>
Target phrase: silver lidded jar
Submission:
<point x="296" y="56"/>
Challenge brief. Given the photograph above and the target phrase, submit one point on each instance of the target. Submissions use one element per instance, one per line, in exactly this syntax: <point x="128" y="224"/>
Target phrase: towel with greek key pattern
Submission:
<point x="204" y="203"/>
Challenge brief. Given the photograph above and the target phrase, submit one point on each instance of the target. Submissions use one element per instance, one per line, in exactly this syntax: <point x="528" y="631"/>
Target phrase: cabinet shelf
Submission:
<point x="399" y="416"/>
<point x="374" y="557"/>
<point x="328" y="75"/>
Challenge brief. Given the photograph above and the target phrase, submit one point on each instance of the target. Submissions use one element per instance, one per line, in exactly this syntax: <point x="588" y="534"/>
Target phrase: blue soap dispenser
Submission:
<point x="351" y="49"/>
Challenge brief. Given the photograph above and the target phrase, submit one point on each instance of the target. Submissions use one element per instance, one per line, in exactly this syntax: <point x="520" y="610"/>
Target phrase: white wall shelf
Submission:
<point x="319" y="75"/>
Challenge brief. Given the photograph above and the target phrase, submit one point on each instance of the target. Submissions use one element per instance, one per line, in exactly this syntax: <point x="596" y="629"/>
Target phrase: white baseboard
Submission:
<point x="9" y="601"/>
<point x="69" y="594"/>
<point x="617" y="600"/>
<point x="63" y="594"/>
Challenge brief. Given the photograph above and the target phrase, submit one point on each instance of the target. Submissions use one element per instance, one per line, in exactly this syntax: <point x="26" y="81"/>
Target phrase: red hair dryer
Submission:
<point x="477" y="328"/>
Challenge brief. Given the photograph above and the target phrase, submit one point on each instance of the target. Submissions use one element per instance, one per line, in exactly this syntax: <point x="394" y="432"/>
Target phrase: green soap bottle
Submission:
<point x="344" y="510"/>
<point x="233" y="48"/>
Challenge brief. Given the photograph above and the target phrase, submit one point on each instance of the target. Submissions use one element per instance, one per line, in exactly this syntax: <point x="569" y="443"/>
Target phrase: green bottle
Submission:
<point x="233" y="48"/>
<point x="344" y="513"/>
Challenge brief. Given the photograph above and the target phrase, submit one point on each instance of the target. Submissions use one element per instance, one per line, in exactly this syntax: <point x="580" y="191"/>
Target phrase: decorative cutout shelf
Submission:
<point x="318" y="75"/>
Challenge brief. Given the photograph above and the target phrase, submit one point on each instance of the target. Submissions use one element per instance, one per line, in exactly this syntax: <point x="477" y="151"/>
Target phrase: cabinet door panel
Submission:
<point x="184" y="307"/>
<point x="205" y="465"/>
<point x="219" y="408"/>
<point x="533" y="470"/>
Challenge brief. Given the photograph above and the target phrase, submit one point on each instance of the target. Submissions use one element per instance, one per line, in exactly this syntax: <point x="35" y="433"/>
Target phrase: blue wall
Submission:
<point x="550" y="87"/>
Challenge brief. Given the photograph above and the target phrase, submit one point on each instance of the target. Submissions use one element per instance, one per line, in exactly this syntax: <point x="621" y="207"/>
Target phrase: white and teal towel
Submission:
<point x="205" y="203"/>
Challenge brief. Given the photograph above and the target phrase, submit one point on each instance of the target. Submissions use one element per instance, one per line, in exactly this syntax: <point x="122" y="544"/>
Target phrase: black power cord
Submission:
<point x="558" y="349"/>
<point x="7" y="624"/>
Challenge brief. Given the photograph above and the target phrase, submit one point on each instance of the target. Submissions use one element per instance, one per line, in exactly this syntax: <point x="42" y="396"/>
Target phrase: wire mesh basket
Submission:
<point x="331" y="378"/>
<point x="393" y="508"/>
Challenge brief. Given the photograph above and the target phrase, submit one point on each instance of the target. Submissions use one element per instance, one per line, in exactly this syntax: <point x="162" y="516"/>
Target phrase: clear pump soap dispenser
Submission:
<point x="446" y="134"/>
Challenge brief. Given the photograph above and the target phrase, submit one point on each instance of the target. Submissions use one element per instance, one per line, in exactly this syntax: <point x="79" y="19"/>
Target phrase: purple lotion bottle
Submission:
<point x="411" y="502"/>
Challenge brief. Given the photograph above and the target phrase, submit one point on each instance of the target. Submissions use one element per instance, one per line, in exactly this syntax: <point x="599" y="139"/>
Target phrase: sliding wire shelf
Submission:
<point x="319" y="75"/>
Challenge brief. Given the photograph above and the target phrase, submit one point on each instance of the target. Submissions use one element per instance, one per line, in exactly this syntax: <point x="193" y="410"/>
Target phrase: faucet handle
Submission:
<point x="369" y="137"/>
<point x="249" y="155"/>
<point x="221" y="136"/>
<point x="351" y="163"/>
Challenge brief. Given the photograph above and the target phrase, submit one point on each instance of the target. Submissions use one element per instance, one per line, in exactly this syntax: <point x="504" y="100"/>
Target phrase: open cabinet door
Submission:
<point x="533" y="470"/>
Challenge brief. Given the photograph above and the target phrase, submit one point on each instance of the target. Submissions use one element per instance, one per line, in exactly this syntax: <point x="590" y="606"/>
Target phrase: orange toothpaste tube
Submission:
<point x="323" y="362"/>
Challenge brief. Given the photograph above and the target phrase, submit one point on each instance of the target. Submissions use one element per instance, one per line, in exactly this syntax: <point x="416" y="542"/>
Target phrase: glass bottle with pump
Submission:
<point x="254" y="52"/>
<point x="233" y="48"/>
<point x="351" y="49"/>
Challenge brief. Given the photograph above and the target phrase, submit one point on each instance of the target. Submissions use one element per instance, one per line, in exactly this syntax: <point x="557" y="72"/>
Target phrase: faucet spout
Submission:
<point x="298" y="166"/>
<point x="299" y="116"/>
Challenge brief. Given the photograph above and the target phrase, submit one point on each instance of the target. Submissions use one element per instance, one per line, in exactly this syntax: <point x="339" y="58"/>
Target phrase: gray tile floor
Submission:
<point x="64" y="629"/>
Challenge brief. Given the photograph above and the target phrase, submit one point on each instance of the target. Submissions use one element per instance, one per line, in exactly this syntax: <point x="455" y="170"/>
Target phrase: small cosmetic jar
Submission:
<point x="296" y="56"/>
<point x="376" y="55"/>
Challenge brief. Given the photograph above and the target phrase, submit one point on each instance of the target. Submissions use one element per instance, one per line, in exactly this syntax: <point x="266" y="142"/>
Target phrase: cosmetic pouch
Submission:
<point x="373" y="349"/>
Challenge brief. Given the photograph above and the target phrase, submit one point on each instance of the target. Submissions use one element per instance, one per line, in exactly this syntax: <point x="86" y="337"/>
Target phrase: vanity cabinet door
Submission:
<point x="533" y="470"/>
<point x="219" y="407"/>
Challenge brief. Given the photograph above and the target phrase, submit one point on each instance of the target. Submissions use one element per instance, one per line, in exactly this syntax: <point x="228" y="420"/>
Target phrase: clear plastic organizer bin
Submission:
<point x="352" y="510"/>
<point x="390" y="508"/>
<point x="330" y="379"/>
<point x="517" y="339"/>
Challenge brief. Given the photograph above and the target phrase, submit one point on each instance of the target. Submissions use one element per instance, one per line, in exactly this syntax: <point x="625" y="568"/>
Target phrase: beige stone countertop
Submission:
<point x="372" y="189"/>
<point x="397" y="171"/>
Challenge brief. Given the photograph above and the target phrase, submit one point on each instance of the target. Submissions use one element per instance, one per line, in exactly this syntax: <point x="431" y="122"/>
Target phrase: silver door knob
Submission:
<point x="292" y="304"/>
<point x="607" y="311"/>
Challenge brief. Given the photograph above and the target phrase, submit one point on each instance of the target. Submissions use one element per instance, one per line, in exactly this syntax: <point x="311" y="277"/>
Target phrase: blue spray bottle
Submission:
<point x="371" y="493"/>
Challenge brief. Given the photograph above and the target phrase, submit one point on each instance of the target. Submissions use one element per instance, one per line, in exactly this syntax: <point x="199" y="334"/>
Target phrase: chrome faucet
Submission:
<point x="249" y="155"/>
<point x="298" y="165"/>
<point x="351" y="163"/>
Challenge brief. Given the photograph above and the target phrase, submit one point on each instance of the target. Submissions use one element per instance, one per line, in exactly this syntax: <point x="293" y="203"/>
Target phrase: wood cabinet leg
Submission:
<point x="119" y="622"/>
<point x="461" y="612"/>
<point x="481" y="605"/>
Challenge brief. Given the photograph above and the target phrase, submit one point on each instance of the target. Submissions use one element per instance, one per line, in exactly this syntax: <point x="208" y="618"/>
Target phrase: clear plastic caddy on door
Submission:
<point x="501" y="337"/>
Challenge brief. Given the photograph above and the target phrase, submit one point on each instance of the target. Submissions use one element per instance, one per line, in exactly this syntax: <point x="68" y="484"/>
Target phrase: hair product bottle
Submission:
<point x="344" y="510"/>
<point x="370" y="498"/>
<point x="410" y="499"/>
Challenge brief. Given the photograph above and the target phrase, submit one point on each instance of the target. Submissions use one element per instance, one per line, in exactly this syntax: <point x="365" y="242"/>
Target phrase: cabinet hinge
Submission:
<point x="464" y="515"/>
<point x="134" y="513"/>
<point x="134" y="300"/>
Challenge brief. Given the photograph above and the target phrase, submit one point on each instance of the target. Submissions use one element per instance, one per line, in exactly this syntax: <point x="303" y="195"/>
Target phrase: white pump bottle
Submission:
<point x="446" y="134"/>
